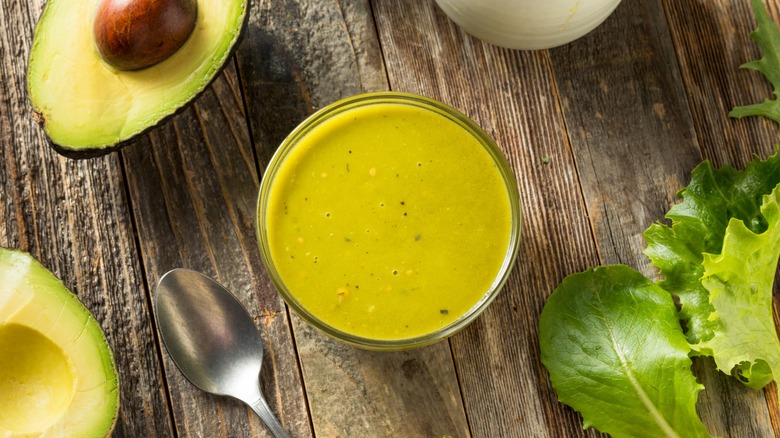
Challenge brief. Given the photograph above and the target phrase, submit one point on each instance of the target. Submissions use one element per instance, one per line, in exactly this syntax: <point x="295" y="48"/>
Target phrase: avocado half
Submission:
<point x="89" y="108"/>
<point x="57" y="373"/>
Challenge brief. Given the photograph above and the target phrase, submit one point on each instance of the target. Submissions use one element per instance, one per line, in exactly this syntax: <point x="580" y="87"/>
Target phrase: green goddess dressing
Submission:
<point x="388" y="221"/>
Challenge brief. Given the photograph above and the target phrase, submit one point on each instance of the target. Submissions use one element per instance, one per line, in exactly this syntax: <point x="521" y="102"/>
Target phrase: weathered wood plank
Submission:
<point x="360" y="393"/>
<point x="600" y="133"/>
<point x="711" y="41"/>
<point x="627" y="114"/>
<point x="74" y="217"/>
<point x="193" y="185"/>
<point x="635" y="145"/>
<point x="511" y="94"/>
<point x="298" y="57"/>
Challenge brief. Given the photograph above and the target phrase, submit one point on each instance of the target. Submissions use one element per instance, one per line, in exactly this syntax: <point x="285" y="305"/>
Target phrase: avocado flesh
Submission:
<point x="57" y="373"/>
<point x="87" y="105"/>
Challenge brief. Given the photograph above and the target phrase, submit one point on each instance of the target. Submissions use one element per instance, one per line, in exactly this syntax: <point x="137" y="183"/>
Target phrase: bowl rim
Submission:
<point x="392" y="97"/>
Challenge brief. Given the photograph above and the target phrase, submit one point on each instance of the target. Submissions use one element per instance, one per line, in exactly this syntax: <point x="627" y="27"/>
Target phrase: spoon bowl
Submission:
<point x="212" y="339"/>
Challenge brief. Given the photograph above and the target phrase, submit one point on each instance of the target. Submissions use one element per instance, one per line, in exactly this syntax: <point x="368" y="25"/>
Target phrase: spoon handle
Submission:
<point x="261" y="408"/>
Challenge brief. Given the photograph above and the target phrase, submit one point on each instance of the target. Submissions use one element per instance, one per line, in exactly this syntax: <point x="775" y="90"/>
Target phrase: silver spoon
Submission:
<point x="212" y="340"/>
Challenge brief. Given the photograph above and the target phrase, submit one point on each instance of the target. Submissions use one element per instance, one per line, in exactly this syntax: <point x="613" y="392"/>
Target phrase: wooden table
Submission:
<point x="601" y="133"/>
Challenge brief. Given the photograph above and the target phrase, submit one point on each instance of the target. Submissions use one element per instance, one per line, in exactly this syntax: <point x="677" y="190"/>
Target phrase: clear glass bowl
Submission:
<point x="322" y="117"/>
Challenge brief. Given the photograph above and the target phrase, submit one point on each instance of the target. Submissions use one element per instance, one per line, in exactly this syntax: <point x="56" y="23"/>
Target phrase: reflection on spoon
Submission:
<point x="212" y="339"/>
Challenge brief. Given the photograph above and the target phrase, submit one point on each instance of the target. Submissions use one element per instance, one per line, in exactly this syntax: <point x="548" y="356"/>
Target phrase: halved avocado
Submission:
<point x="90" y="108"/>
<point x="57" y="373"/>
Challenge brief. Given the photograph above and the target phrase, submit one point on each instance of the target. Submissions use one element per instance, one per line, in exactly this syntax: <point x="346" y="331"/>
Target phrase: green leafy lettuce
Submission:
<point x="725" y="224"/>
<point x="739" y="281"/>
<point x="612" y="343"/>
<point x="699" y="222"/>
<point x="612" y="340"/>
<point x="767" y="36"/>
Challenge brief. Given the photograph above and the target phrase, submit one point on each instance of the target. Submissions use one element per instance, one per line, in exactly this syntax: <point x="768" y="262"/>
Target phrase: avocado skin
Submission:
<point x="96" y="152"/>
<point x="65" y="295"/>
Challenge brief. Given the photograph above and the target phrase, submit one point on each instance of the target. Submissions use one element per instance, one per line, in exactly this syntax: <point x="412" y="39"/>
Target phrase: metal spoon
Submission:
<point x="212" y="340"/>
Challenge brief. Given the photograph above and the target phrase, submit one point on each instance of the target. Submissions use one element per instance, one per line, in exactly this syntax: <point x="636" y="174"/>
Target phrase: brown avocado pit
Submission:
<point x="89" y="107"/>
<point x="137" y="34"/>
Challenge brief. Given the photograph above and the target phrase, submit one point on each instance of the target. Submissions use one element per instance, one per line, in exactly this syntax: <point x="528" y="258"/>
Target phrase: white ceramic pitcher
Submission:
<point x="528" y="24"/>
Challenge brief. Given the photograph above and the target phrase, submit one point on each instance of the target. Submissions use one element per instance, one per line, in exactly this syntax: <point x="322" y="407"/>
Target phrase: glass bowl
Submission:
<point x="397" y="193"/>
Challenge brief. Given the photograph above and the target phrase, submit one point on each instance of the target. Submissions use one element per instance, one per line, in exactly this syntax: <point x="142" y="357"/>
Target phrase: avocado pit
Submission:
<point x="137" y="34"/>
<point x="91" y="102"/>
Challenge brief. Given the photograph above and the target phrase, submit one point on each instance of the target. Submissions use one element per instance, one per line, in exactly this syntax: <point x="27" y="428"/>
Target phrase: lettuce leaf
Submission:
<point x="739" y="281"/>
<point x="611" y="341"/>
<point x="610" y="338"/>
<point x="768" y="38"/>
<point x="711" y="200"/>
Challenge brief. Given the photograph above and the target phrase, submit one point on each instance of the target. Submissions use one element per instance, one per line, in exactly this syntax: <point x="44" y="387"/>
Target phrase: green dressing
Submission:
<point x="388" y="221"/>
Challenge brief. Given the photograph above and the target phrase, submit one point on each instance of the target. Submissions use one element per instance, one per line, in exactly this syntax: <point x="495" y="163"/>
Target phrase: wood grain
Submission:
<point x="626" y="167"/>
<point x="626" y="113"/>
<point x="711" y="40"/>
<point x="299" y="57"/>
<point x="512" y="95"/>
<point x="600" y="134"/>
<point x="193" y="185"/>
<point x="629" y="130"/>
<point x="73" y="216"/>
